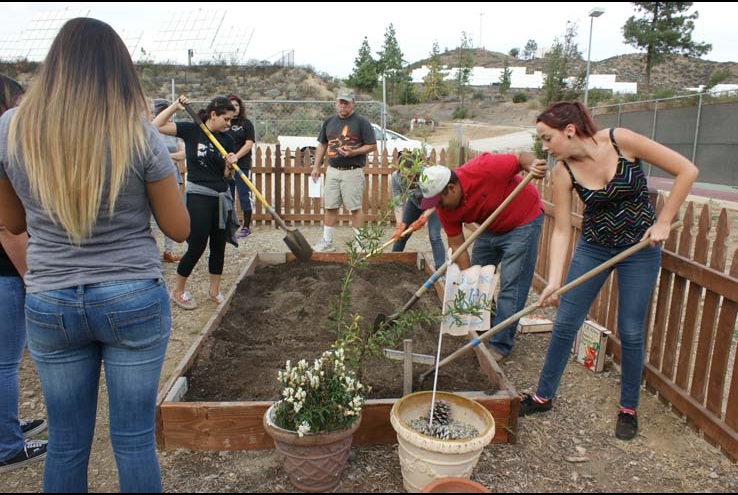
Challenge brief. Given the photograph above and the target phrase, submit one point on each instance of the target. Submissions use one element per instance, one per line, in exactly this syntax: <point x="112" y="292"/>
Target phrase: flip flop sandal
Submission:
<point x="219" y="298"/>
<point x="184" y="301"/>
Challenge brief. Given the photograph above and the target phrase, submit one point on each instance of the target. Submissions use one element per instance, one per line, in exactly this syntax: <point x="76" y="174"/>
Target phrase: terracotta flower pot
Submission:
<point x="423" y="458"/>
<point x="314" y="462"/>
<point x="454" y="485"/>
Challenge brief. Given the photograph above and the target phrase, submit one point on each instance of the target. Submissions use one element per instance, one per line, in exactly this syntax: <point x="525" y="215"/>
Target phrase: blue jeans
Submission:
<point x="244" y="193"/>
<point x="514" y="254"/>
<point x="636" y="278"/>
<point x="125" y="327"/>
<point x="12" y="342"/>
<point x="409" y="215"/>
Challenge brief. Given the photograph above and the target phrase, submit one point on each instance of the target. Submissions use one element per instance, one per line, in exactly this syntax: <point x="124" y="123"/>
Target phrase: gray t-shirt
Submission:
<point x="121" y="247"/>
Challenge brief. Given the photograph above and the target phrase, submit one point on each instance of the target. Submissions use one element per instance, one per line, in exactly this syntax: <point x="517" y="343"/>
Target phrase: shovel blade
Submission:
<point x="298" y="245"/>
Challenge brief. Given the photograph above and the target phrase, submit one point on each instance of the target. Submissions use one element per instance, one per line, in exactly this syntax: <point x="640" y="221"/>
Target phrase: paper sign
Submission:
<point x="478" y="285"/>
<point x="313" y="188"/>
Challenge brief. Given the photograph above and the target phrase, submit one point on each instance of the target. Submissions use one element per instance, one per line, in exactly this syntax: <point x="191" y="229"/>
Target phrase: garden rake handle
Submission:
<point x="577" y="281"/>
<point x="455" y="255"/>
<point x="235" y="167"/>
<point x="409" y="230"/>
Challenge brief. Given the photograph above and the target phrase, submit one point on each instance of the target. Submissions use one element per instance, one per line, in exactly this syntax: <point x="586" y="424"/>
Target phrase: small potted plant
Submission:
<point x="313" y="424"/>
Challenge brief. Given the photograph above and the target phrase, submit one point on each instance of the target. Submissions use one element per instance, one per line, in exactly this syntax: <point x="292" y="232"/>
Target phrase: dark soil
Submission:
<point x="282" y="312"/>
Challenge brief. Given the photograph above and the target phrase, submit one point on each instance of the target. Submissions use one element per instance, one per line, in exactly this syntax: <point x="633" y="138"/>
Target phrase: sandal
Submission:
<point x="184" y="301"/>
<point x="219" y="298"/>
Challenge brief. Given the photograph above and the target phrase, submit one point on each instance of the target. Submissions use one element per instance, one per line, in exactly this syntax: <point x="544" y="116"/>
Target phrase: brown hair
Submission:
<point x="560" y="114"/>
<point x="10" y="93"/>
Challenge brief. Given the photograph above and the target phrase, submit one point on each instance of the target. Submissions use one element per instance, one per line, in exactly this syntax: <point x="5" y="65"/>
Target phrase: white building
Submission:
<point x="485" y="76"/>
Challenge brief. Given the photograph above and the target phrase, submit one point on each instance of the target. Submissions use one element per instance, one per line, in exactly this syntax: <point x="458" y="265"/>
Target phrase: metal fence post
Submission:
<point x="697" y="129"/>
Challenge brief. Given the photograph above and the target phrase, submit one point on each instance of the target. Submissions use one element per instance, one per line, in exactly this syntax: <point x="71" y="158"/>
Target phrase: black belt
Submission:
<point x="350" y="167"/>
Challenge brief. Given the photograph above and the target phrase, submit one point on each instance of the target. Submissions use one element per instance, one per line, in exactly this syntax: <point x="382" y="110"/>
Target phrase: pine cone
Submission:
<point x="441" y="412"/>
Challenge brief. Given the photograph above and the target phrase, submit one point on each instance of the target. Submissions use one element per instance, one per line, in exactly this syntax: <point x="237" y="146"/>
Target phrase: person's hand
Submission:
<point x="315" y="174"/>
<point x="401" y="226"/>
<point x="538" y="168"/>
<point x="182" y="100"/>
<point x="418" y="224"/>
<point x="344" y="152"/>
<point x="657" y="234"/>
<point x="547" y="296"/>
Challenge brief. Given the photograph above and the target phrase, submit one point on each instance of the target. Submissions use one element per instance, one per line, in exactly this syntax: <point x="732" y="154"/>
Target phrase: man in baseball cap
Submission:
<point x="345" y="139"/>
<point x="469" y="195"/>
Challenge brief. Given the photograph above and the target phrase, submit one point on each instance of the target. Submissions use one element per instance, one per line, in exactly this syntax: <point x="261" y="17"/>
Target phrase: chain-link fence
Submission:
<point x="272" y="118"/>
<point x="702" y="127"/>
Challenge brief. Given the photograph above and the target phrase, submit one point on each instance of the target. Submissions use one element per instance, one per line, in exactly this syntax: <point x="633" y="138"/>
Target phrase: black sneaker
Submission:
<point x="34" y="450"/>
<point x="530" y="406"/>
<point x="627" y="426"/>
<point x="31" y="427"/>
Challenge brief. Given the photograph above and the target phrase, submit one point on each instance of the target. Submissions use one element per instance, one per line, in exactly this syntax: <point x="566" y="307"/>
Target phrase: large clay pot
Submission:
<point x="424" y="458"/>
<point x="454" y="485"/>
<point x="314" y="462"/>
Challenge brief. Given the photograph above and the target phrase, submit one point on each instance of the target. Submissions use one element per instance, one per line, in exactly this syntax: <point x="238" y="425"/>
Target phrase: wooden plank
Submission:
<point x="678" y="295"/>
<point x="416" y="358"/>
<point x="694" y="296"/>
<point x="731" y="411"/>
<point x="721" y="353"/>
<point x="709" y="315"/>
<point x="215" y="425"/>
<point x="407" y="367"/>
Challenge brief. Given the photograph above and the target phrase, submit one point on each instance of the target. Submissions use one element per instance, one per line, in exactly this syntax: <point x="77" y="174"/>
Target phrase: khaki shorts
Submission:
<point x="344" y="187"/>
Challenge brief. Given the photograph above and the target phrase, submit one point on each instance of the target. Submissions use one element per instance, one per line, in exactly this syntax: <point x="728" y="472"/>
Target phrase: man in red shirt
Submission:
<point x="470" y="194"/>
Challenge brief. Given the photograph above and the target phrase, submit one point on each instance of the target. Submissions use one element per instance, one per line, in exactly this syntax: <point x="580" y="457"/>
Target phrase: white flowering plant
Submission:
<point x="324" y="396"/>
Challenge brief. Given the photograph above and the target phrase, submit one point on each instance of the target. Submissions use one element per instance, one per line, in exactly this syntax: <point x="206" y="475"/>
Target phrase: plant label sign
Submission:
<point x="476" y="285"/>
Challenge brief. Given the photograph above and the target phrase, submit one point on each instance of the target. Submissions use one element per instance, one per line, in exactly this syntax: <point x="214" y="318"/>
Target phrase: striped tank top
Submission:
<point x="621" y="212"/>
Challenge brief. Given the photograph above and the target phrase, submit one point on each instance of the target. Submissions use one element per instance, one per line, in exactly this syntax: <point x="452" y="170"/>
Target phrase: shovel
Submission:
<point x="409" y="230"/>
<point x="294" y="239"/>
<point x="382" y="320"/>
<point x="577" y="281"/>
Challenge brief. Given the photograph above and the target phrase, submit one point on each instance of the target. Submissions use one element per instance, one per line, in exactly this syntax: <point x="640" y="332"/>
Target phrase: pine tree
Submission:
<point x="399" y="82"/>
<point x="464" y="67"/>
<point x="529" y="52"/>
<point x="663" y="31"/>
<point x="435" y="86"/>
<point x="364" y="76"/>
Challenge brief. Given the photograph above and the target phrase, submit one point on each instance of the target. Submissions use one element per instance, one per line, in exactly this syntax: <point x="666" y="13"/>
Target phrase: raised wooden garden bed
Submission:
<point x="238" y="425"/>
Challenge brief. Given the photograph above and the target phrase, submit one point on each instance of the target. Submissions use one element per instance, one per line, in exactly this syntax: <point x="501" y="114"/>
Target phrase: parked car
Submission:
<point x="392" y="140"/>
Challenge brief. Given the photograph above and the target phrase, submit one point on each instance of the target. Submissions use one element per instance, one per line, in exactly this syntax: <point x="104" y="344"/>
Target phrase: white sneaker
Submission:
<point x="324" y="247"/>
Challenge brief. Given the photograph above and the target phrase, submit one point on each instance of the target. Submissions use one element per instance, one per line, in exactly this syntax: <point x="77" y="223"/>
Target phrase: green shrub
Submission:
<point x="460" y="112"/>
<point x="520" y="97"/>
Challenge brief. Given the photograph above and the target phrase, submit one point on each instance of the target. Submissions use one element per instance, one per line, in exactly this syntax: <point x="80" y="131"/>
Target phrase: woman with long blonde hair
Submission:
<point x="84" y="181"/>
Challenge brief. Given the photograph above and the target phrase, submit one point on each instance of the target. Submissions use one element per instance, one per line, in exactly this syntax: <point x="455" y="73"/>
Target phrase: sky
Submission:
<point x="328" y="38"/>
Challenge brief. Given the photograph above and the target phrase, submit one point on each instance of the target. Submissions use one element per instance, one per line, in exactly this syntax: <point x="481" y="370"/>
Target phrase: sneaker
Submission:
<point x="324" y="247"/>
<point x="33" y="450"/>
<point x="170" y="257"/>
<point x="31" y="427"/>
<point x="243" y="232"/>
<point x="627" y="426"/>
<point x="530" y="406"/>
<point x="184" y="300"/>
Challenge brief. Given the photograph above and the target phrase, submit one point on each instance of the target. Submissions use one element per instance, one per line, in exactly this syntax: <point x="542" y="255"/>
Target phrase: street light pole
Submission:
<point x="595" y="12"/>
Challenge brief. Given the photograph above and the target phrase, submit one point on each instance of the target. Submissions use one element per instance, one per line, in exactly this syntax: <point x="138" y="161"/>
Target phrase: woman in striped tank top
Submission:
<point x="604" y="168"/>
